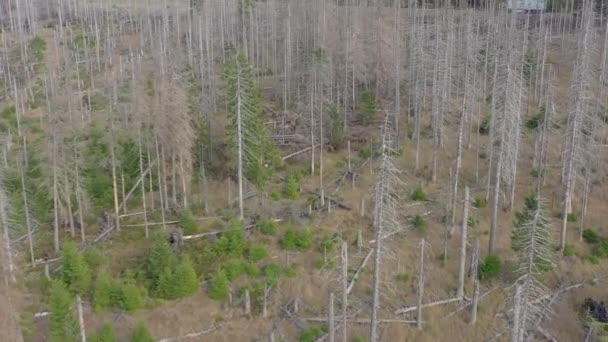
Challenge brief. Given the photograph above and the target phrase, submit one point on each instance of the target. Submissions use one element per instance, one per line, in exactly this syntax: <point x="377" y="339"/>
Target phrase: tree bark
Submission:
<point x="463" y="245"/>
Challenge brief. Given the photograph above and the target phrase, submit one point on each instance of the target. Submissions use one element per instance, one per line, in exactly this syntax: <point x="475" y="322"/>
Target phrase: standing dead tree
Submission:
<point x="533" y="242"/>
<point x="506" y="118"/>
<point x="385" y="216"/>
<point x="579" y="138"/>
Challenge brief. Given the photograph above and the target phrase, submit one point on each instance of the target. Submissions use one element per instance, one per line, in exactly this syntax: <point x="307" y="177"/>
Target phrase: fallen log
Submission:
<point x="358" y="272"/>
<point x="188" y="336"/>
<point x="428" y="305"/>
<point x="358" y="320"/>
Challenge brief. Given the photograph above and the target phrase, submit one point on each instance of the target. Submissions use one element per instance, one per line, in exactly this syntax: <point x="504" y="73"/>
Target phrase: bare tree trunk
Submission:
<point x="239" y="137"/>
<point x="463" y="244"/>
<point x="265" y="304"/>
<point x="83" y="334"/>
<point x="26" y="210"/>
<point x="420" y="286"/>
<point x="114" y="183"/>
<point x="517" y="329"/>
<point x="344" y="258"/>
<point x="585" y="201"/>
<point x="55" y="198"/>
<point x="247" y="302"/>
<point x="143" y="187"/>
<point x="474" y="266"/>
<point x="330" y="318"/>
<point x="7" y="241"/>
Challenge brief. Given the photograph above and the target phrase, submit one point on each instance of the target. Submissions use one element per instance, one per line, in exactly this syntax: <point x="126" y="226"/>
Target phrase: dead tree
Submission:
<point x="463" y="245"/>
<point x="581" y="126"/>
<point x="475" y="299"/>
<point x="420" y="286"/>
<point x="385" y="216"/>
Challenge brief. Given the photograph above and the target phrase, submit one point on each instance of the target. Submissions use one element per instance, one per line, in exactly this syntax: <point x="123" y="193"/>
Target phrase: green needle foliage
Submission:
<point x="141" y="334"/>
<point x="368" y="107"/>
<point x="74" y="271"/>
<point x="260" y="157"/>
<point x="218" y="290"/>
<point x="532" y="239"/>
<point x="336" y="127"/>
<point x="62" y="322"/>
<point x="105" y="334"/>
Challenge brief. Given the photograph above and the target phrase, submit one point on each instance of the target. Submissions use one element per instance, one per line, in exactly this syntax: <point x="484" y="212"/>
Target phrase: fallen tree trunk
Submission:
<point x="428" y="305"/>
<point x="188" y="336"/>
<point x="358" y="272"/>
<point x="358" y="320"/>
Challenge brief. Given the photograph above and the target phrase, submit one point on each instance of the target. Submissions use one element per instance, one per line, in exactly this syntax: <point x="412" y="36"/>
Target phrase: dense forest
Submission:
<point x="303" y="170"/>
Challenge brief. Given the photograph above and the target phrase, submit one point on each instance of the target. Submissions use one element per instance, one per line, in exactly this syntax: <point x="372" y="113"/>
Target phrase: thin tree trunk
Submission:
<point x="420" y="286"/>
<point x="239" y="134"/>
<point x="344" y="258"/>
<point x="83" y="334"/>
<point x="475" y="299"/>
<point x="585" y="201"/>
<point x="330" y="318"/>
<point x="463" y="244"/>
<point x="114" y="184"/>
<point x="27" y="214"/>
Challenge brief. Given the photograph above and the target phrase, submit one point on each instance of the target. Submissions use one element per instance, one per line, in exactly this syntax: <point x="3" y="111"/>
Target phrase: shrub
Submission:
<point x="419" y="194"/>
<point x="38" y="48"/>
<point x="296" y="240"/>
<point x="480" y="203"/>
<point x="180" y="282"/>
<point x="185" y="278"/>
<point x="535" y="120"/>
<point x="218" y="288"/>
<point x="312" y="333"/>
<point x="601" y="250"/>
<point x="122" y="294"/>
<point x="232" y="242"/>
<point x="160" y="258"/>
<point x="187" y="222"/>
<point x="131" y="296"/>
<point x="591" y="236"/>
<point x="141" y="333"/>
<point x="257" y="252"/>
<point x="402" y="277"/>
<point x="321" y="263"/>
<point x="490" y="267"/>
<point x="105" y="334"/>
<point x="484" y="126"/>
<point x="267" y="227"/>
<point x="365" y="152"/>
<point x="102" y="295"/>
<point x="233" y="269"/>
<point x="336" y="127"/>
<point x="290" y="271"/>
<point x="292" y="188"/>
<point x="359" y="339"/>
<point x="93" y="257"/>
<point x="569" y="250"/>
<point x="275" y="195"/>
<point x="251" y="269"/>
<point x="74" y="271"/>
<point x="62" y="323"/>
<point x="368" y="107"/>
<point x="419" y="223"/>
<point x="327" y="245"/>
<point x="272" y="272"/>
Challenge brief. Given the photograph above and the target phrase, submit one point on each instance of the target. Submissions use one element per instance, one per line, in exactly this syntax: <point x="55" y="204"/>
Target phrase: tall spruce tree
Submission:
<point x="62" y="322"/>
<point x="255" y="156"/>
